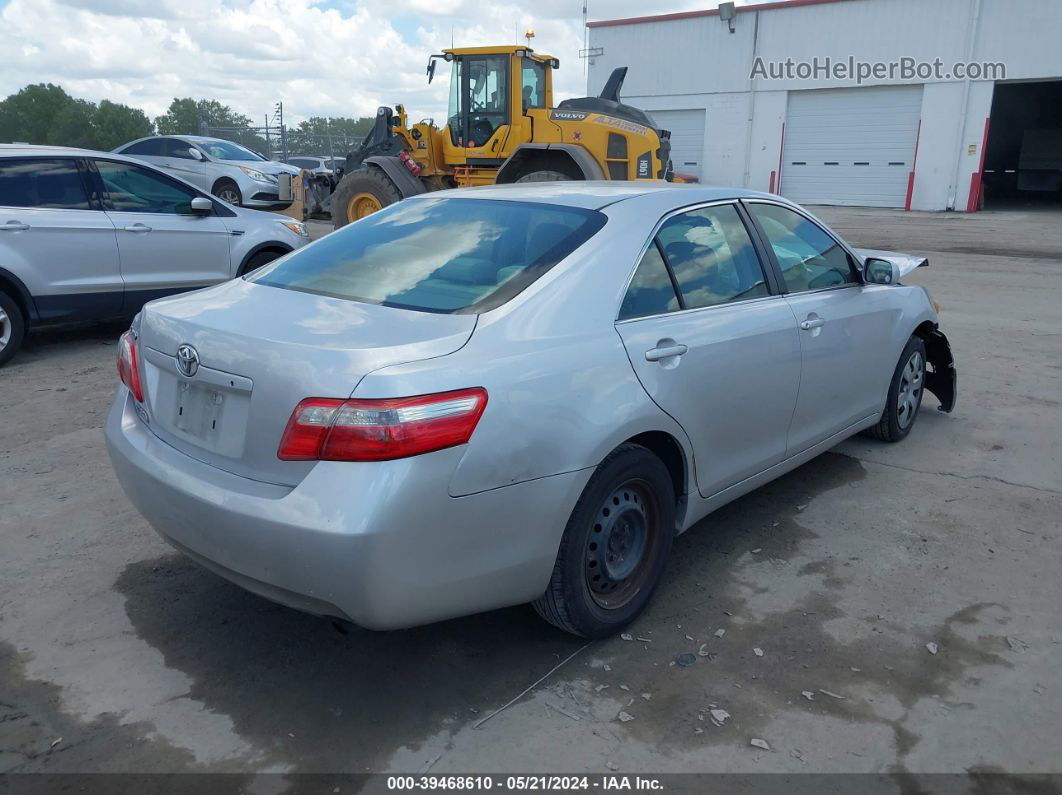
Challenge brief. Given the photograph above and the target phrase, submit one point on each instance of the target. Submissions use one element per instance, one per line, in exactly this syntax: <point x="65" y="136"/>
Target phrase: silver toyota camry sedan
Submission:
<point x="511" y="394"/>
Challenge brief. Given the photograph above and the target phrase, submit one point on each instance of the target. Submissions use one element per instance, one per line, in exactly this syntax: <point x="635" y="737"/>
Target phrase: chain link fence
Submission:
<point x="281" y="143"/>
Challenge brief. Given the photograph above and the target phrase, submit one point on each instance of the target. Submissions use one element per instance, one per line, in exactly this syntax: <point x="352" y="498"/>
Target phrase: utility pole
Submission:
<point x="278" y="113"/>
<point x="269" y="143"/>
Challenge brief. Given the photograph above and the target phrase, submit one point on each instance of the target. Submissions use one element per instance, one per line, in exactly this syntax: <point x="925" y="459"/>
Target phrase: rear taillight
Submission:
<point x="128" y="366"/>
<point x="328" y="429"/>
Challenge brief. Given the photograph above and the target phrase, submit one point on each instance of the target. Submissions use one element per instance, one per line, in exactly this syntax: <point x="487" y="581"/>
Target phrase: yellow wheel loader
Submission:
<point x="501" y="127"/>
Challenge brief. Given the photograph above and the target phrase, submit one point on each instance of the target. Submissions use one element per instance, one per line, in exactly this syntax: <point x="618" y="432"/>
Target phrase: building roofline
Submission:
<point x="713" y="12"/>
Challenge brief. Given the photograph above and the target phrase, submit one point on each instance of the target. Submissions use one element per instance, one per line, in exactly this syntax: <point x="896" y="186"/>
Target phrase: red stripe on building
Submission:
<point x="781" y="147"/>
<point x="974" y="199"/>
<point x="914" y="165"/>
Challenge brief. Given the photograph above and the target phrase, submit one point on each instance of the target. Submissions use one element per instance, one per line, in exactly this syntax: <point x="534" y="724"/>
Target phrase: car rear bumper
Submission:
<point x="381" y="544"/>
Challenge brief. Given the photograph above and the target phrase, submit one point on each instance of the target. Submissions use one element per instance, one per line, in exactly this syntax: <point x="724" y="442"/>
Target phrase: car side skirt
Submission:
<point x="69" y="307"/>
<point x="72" y="307"/>
<point x="701" y="507"/>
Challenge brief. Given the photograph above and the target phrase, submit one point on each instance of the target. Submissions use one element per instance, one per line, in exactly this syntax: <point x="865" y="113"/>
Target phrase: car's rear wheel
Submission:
<point x="614" y="547"/>
<point x="905" y="394"/>
<point x="12" y="327"/>
<point x="228" y="191"/>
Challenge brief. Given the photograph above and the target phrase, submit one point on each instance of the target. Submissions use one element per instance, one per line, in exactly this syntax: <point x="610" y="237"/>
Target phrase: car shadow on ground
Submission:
<point x="69" y="338"/>
<point x="299" y="689"/>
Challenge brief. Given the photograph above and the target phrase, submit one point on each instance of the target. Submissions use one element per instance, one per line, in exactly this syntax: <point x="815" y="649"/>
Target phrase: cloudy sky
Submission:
<point x="321" y="57"/>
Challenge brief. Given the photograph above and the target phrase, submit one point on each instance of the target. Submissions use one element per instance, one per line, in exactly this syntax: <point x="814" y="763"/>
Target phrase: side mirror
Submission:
<point x="880" y="271"/>
<point x="202" y="206"/>
<point x="195" y="153"/>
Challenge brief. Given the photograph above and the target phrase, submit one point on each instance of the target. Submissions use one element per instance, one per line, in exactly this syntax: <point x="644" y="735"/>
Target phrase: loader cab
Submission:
<point x="491" y="91"/>
<point x="479" y="99"/>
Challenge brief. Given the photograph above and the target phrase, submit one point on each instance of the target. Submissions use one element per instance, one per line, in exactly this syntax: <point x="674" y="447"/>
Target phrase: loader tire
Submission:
<point x="544" y="176"/>
<point x="361" y="193"/>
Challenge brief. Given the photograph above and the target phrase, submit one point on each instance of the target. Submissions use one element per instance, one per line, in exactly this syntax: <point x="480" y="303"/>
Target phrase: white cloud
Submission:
<point x="321" y="57"/>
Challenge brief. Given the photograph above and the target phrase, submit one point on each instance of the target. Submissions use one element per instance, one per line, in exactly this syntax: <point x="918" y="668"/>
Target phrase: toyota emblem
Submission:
<point x="187" y="360"/>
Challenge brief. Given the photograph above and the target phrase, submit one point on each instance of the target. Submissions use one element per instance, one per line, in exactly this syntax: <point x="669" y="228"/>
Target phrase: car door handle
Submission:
<point x="138" y="227"/>
<point x="656" y="354"/>
<point x="810" y="323"/>
<point x="15" y="226"/>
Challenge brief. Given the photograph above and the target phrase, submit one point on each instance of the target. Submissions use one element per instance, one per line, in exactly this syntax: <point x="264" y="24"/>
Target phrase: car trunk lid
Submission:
<point x="225" y="367"/>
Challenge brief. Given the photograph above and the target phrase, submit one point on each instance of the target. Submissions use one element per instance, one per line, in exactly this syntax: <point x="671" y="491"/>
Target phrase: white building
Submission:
<point x="925" y="143"/>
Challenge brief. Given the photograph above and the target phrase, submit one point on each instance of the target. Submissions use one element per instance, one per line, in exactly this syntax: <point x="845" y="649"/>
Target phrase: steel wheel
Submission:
<point x="909" y="391"/>
<point x="622" y="545"/>
<point x="615" y="545"/>
<point x="361" y="205"/>
<point x="6" y="328"/>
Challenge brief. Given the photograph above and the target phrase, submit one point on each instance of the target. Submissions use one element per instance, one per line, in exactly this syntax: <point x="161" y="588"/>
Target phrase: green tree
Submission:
<point x="30" y="114"/>
<point x="184" y="116"/>
<point x="115" y="124"/>
<point x="46" y="114"/>
<point x="72" y="126"/>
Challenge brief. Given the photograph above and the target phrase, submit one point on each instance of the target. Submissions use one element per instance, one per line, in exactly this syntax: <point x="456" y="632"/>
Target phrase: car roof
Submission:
<point x="594" y="195"/>
<point x="205" y="139"/>
<point x="183" y="137"/>
<point x="41" y="150"/>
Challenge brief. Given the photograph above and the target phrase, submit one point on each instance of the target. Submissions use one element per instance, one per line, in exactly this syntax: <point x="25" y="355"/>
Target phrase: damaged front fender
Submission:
<point x="941" y="379"/>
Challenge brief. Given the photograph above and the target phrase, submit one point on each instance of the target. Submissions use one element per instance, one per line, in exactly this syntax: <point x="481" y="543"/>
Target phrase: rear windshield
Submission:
<point x="437" y="255"/>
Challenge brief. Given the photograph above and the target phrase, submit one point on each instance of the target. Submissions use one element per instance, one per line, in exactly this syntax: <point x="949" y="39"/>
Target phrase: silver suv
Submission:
<point x="87" y="235"/>
<point x="226" y="169"/>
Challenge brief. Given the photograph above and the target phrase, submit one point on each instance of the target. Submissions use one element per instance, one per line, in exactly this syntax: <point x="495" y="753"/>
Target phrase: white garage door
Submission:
<point x="852" y="146"/>
<point x="687" y="138"/>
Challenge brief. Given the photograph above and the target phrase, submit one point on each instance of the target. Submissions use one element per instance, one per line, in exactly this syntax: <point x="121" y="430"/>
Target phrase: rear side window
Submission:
<point x="711" y="255"/>
<point x="699" y="258"/>
<point x="651" y="291"/>
<point x="32" y="182"/>
<point x="437" y="255"/>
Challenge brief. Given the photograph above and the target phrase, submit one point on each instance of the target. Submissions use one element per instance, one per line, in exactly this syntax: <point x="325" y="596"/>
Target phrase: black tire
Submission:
<point x="586" y="594"/>
<point x="362" y="182"/>
<point x="898" y="418"/>
<point x="260" y="259"/>
<point x="12" y="328"/>
<point x="545" y="176"/>
<point x="230" y="190"/>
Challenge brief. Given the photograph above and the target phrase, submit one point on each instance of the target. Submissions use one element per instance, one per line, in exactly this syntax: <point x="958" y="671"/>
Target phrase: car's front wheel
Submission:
<point x="228" y="191"/>
<point x="258" y="260"/>
<point x="905" y="394"/>
<point x="614" y="547"/>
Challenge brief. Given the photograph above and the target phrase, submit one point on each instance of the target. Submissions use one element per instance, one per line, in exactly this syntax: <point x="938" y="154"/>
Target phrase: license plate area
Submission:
<point x="199" y="411"/>
<point x="208" y="411"/>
